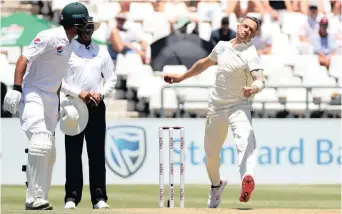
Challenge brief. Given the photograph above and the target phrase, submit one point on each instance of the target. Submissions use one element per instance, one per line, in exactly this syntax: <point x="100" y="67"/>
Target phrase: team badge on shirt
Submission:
<point x="36" y="41"/>
<point x="59" y="49"/>
<point x="221" y="50"/>
<point x="255" y="61"/>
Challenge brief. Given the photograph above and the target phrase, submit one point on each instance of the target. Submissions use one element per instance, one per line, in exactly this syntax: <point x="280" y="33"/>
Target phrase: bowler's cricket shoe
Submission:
<point x="247" y="187"/>
<point x="39" y="204"/>
<point x="101" y="205"/>
<point x="70" y="205"/>
<point x="215" y="193"/>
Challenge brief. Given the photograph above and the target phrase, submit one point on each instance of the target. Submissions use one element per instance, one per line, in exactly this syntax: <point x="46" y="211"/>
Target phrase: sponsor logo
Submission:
<point x="59" y="49"/>
<point x="10" y="34"/>
<point x="125" y="149"/>
<point x="36" y="41"/>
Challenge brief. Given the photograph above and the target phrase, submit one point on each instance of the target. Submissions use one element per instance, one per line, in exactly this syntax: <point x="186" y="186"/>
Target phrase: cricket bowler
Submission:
<point x="239" y="77"/>
<point x="38" y="76"/>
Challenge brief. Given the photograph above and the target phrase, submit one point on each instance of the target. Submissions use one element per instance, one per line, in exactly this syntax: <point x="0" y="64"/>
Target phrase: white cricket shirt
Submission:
<point x="87" y="69"/>
<point x="47" y="56"/>
<point x="234" y="65"/>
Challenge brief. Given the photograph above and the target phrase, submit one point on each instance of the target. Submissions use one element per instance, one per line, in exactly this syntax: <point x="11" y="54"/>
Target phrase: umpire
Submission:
<point x="89" y="65"/>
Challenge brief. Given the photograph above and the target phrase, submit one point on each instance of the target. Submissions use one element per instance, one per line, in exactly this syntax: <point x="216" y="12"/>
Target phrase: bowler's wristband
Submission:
<point x="18" y="88"/>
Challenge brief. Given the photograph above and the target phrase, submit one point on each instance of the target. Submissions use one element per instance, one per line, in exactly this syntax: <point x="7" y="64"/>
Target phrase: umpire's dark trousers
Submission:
<point x="94" y="134"/>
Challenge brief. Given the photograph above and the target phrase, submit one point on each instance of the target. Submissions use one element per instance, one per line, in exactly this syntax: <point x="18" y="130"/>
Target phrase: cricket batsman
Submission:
<point x="38" y="76"/>
<point x="239" y="77"/>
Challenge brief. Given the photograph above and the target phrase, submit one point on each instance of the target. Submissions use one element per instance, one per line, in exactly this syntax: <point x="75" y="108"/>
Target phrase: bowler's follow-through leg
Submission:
<point x="241" y="125"/>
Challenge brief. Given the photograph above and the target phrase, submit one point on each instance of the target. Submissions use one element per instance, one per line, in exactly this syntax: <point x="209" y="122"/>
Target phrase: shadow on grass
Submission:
<point x="245" y="208"/>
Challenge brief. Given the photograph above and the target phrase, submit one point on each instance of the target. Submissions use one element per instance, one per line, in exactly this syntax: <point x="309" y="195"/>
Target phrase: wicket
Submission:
<point x="171" y="167"/>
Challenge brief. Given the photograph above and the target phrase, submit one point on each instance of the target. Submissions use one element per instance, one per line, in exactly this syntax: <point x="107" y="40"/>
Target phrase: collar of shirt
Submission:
<point x="240" y="46"/>
<point x="78" y="45"/>
<point x="82" y="50"/>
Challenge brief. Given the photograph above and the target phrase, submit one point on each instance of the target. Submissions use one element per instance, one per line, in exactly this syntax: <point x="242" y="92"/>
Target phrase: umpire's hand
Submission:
<point x="85" y="96"/>
<point x="96" y="96"/>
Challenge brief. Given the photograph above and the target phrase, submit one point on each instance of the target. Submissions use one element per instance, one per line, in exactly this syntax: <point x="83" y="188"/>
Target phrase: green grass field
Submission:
<point x="146" y="196"/>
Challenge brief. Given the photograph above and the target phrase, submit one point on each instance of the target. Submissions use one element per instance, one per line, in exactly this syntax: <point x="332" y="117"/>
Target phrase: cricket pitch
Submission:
<point x="225" y="211"/>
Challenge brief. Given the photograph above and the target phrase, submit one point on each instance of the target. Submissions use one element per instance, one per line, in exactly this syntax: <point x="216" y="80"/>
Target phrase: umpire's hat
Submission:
<point x="74" y="115"/>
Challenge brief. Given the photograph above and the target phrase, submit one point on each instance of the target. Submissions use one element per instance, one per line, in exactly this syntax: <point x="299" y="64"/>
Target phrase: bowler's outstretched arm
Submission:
<point x="200" y="66"/>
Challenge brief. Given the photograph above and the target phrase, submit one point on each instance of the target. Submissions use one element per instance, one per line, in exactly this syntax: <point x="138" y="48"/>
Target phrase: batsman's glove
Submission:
<point x="12" y="99"/>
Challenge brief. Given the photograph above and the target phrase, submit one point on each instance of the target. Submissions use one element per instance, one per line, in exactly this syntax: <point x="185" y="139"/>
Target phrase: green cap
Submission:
<point x="73" y="11"/>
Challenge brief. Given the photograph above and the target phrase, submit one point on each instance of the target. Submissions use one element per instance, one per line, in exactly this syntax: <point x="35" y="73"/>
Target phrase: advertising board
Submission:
<point x="290" y="151"/>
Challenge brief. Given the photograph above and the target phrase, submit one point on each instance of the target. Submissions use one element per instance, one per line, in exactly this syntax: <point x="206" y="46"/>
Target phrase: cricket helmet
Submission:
<point x="74" y="14"/>
<point x="73" y="114"/>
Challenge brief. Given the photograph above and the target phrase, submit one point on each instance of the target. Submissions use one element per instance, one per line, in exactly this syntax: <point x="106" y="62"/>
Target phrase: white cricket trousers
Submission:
<point x="38" y="111"/>
<point x="216" y="130"/>
<point x="39" y="117"/>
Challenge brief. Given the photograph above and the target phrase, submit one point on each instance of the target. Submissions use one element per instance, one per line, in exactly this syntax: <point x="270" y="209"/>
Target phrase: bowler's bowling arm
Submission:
<point x="200" y="66"/>
<point x="20" y="69"/>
